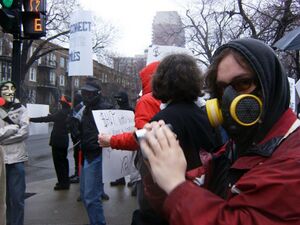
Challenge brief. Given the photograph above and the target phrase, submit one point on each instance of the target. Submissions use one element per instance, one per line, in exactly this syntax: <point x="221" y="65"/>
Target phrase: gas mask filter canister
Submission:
<point x="243" y="109"/>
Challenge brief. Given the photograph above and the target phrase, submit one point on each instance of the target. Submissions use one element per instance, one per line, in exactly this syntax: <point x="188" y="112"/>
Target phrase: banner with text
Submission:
<point x="80" y="51"/>
<point x="116" y="163"/>
<point x="158" y="52"/>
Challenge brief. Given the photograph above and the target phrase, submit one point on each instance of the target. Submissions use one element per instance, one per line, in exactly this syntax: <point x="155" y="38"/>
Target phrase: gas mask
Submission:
<point x="236" y="112"/>
<point x="8" y="91"/>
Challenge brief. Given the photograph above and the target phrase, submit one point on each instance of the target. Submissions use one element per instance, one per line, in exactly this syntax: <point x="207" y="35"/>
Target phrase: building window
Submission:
<point x="76" y="82"/>
<point x="32" y="74"/>
<point x="62" y="80"/>
<point x="52" y="77"/>
<point x="51" y="59"/>
<point x="32" y="49"/>
<point x="62" y="62"/>
<point x="32" y="96"/>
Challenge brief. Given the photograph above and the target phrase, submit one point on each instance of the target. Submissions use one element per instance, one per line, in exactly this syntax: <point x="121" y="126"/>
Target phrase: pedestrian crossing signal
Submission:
<point x="34" y="18"/>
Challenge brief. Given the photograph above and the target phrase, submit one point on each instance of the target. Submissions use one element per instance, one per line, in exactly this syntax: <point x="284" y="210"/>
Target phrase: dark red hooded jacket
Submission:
<point x="146" y="107"/>
<point x="267" y="184"/>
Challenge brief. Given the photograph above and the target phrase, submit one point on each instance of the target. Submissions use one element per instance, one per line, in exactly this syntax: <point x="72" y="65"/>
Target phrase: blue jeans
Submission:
<point x="91" y="188"/>
<point x="15" y="193"/>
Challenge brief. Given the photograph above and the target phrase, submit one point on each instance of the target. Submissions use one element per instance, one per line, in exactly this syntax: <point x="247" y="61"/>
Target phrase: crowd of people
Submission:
<point x="232" y="160"/>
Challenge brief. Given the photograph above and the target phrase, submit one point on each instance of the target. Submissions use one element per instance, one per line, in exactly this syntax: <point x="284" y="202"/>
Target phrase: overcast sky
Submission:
<point x="133" y="19"/>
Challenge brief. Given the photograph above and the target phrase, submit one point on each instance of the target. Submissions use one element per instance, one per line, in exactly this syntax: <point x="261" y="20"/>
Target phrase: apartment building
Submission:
<point x="47" y="78"/>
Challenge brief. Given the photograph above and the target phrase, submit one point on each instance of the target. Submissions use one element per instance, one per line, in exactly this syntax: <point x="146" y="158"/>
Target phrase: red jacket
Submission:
<point x="146" y="107"/>
<point x="268" y="194"/>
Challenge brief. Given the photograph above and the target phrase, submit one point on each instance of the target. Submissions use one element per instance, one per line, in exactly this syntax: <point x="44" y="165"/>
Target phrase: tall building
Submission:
<point x="167" y="29"/>
<point x="130" y="66"/>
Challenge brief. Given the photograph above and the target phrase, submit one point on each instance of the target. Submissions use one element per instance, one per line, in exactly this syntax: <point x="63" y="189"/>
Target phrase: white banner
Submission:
<point x="38" y="110"/>
<point x="158" y="52"/>
<point x="80" y="52"/>
<point x="116" y="163"/>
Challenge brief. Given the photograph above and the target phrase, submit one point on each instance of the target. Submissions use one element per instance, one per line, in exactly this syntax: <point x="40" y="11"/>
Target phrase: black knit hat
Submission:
<point x="91" y="85"/>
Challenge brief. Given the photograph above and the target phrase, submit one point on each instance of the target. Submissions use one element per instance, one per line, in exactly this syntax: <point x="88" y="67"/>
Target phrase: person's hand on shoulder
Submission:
<point x="165" y="156"/>
<point x="104" y="140"/>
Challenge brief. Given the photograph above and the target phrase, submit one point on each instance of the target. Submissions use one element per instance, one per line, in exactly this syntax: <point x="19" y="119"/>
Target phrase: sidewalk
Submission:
<point x="49" y="207"/>
<point x="44" y="206"/>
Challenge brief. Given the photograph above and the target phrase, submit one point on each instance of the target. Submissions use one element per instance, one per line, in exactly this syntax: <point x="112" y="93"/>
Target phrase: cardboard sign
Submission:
<point x="116" y="163"/>
<point x="158" y="52"/>
<point x="38" y="110"/>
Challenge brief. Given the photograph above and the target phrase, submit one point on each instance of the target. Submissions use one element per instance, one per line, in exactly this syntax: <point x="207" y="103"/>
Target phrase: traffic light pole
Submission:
<point x="16" y="63"/>
<point x="16" y="56"/>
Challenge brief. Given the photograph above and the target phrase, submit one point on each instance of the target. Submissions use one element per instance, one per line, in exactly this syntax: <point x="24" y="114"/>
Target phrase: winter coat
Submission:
<point x="89" y="132"/>
<point x="146" y="107"/>
<point x="254" y="184"/>
<point x="59" y="136"/>
<point x="266" y="194"/>
<point x="12" y="140"/>
<point x="2" y="189"/>
<point x="193" y="132"/>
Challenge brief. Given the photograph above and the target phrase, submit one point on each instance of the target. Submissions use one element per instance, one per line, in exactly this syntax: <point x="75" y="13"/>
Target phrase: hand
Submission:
<point x="104" y="140"/>
<point x="165" y="156"/>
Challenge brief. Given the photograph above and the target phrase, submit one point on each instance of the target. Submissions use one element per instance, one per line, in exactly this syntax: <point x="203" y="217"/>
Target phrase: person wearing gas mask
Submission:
<point x="14" y="130"/>
<point x="254" y="178"/>
<point x="59" y="141"/>
<point x="91" y="186"/>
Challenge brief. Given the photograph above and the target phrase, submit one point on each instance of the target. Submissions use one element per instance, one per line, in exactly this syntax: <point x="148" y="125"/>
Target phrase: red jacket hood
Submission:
<point x="146" y="75"/>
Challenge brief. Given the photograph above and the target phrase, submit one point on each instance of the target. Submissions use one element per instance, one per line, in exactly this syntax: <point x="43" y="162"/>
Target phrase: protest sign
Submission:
<point x="116" y="163"/>
<point x="38" y="110"/>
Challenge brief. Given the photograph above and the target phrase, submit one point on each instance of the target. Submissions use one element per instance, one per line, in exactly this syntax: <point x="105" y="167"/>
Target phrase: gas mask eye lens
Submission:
<point x="240" y="85"/>
<point x="243" y="84"/>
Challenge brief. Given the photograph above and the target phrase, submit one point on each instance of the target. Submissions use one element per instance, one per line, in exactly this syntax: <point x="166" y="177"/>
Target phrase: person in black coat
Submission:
<point x="59" y="141"/>
<point x="91" y="186"/>
<point x="75" y="135"/>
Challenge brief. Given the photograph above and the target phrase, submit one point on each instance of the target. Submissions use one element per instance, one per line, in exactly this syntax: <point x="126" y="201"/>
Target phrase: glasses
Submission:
<point x="240" y="85"/>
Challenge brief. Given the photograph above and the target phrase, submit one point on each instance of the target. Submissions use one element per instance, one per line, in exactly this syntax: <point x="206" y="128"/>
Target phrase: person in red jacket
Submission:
<point x="254" y="178"/>
<point x="147" y="106"/>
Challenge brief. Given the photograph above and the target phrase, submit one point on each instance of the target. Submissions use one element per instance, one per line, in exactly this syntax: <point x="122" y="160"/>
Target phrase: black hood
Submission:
<point x="272" y="77"/>
<point x="122" y="100"/>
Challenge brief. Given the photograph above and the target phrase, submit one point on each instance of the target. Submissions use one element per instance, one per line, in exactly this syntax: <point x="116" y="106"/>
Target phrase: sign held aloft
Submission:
<point x="80" y="51"/>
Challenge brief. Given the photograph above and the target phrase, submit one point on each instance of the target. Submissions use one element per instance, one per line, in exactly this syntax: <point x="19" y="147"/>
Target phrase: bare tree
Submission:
<point x="211" y="23"/>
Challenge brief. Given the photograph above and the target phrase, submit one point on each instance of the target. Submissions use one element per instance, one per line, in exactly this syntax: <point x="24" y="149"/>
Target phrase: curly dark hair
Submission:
<point x="177" y="78"/>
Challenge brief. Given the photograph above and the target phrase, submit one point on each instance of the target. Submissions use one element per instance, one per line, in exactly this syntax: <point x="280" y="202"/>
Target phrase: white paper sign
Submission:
<point x="297" y="86"/>
<point x="158" y="52"/>
<point x="116" y="163"/>
<point x="80" y="52"/>
<point x="293" y="94"/>
<point x="38" y="110"/>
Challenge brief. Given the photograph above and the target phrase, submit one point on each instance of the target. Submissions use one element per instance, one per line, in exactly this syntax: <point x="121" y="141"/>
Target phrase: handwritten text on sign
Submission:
<point x="116" y="163"/>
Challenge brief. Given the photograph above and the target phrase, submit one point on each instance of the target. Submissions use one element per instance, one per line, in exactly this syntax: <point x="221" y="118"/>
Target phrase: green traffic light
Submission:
<point x="7" y="3"/>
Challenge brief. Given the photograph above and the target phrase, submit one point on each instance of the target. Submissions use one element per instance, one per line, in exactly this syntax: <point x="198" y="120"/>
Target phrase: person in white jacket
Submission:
<point x="14" y="129"/>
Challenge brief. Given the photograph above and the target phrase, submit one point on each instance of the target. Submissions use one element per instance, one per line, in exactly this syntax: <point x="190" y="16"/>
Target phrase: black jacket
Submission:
<point x="59" y="136"/>
<point x="89" y="131"/>
<point x="192" y="128"/>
